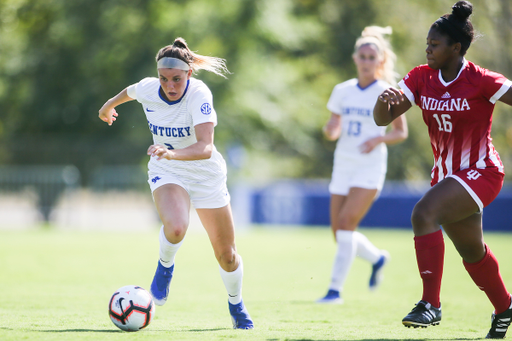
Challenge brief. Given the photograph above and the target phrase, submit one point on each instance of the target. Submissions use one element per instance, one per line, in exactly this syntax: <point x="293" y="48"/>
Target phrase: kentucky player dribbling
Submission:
<point x="185" y="167"/>
<point x="457" y="100"/>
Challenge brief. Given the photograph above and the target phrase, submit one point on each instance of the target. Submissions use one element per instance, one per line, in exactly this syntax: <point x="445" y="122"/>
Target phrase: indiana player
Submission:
<point x="185" y="166"/>
<point x="457" y="99"/>
<point x="360" y="158"/>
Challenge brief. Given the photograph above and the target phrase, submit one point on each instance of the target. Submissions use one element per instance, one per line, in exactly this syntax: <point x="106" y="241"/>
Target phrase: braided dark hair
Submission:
<point x="457" y="25"/>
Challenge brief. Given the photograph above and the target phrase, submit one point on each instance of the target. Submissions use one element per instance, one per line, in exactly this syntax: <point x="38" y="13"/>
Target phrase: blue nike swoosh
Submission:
<point x="149" y="110"/>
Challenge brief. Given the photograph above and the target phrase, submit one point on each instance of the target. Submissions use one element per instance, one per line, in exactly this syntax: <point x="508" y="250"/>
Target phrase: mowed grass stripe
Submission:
<point x="56" y="285"/>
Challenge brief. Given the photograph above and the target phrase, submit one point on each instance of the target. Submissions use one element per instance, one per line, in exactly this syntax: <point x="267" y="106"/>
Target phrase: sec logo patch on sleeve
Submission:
<point x="206" y="109"/>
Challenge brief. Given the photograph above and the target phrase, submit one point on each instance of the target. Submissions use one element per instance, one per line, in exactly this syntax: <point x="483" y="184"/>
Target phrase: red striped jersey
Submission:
<point x="458" y="115"/>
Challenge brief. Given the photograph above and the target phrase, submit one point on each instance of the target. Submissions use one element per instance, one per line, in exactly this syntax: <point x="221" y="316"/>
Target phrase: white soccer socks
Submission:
<point x="344" y="258"/>
<point x="168" y="250"/>
<point x="233" y="282"/>
<point x="365" y="249"/>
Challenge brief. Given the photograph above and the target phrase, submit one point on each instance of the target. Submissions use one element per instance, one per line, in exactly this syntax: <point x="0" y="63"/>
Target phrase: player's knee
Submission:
<point x="348" y="222"/>
<point x="421" y="215"/>
<point x="175" y="229"/>
<point x="227" y="259"/>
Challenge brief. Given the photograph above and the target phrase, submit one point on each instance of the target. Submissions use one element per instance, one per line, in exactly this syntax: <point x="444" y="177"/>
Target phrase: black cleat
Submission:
<point x="423" y="315"/>
<point x="499" y="325"/>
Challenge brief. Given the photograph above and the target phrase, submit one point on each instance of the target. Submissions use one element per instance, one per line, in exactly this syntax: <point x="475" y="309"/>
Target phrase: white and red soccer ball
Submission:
<point x="131" y="308"/>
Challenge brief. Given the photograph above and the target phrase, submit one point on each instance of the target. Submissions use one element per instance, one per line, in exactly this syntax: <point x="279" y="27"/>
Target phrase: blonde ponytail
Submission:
<point x="179" y="49"/>
<point x="376" y="35"/>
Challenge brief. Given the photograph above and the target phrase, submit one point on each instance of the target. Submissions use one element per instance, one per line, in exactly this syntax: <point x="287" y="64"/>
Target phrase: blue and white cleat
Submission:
<point x="377" y="273"/>
<point x="240" y="316"/>
<point x="161" y="282"/>
<point x="332" y="297"/>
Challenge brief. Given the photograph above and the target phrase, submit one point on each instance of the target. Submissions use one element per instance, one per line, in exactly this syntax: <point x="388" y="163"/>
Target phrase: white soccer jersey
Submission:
<point x="172" y="124"/>
<point x="355" y="105"/>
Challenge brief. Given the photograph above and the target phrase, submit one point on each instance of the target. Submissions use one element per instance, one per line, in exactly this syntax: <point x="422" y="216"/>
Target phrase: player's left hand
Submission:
<point x="369" y="145"/>
<point x="160" y="152"/>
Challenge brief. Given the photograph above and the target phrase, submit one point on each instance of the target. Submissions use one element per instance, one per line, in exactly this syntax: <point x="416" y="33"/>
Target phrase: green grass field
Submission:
<point x="56" y="285"/>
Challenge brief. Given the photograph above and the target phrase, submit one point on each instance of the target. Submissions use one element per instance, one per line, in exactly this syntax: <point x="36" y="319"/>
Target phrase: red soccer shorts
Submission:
<point x="482" y="184"/>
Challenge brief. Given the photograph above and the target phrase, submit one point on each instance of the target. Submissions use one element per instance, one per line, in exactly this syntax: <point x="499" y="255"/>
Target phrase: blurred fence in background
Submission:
<point x="119" y="178"/>
<point x="118" y="197"/>
<point x="43" y="185"/>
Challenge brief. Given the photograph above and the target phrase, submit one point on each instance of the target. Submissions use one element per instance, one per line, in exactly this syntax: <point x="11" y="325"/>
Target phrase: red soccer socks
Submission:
<point x="486" y="275"/>
<point x="430" y="258"/>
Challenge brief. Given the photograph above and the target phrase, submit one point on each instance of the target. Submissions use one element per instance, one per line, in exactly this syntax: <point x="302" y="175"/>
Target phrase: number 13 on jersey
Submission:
<point x="354" y="128"/>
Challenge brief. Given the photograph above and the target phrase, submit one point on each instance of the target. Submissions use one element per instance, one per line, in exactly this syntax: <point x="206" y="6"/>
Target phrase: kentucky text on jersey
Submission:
<point x="453" y="104"/>
<point x="357" y="111"/>
<point x="169" y="131"/>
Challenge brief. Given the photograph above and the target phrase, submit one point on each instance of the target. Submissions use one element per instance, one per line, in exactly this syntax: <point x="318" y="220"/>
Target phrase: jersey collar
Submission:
<point x="176" y="101"/>
<point x="366" y="87"/>
<point x="464" y="63"/>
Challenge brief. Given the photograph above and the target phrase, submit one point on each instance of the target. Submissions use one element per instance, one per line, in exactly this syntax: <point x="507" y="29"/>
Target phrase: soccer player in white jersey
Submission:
<point x="360" y="158"/>
<point x="185" y="167"/>
<point x="457" y="100"/>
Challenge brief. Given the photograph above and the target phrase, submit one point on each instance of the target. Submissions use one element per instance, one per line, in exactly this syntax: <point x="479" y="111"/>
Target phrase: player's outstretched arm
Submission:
<point x="507" y="97"/>
<point x="391" y="103"/>
<point x="108" y="113"/>
<point x="332" y="129"/>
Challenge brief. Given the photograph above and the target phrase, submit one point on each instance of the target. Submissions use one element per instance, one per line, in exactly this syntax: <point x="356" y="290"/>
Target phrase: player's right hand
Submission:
<point x="392" y="96"/>
<point x="107" y="115"/>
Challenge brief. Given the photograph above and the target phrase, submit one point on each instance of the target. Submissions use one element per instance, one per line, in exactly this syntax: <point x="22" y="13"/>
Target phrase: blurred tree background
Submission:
<point x="60" y="60"/>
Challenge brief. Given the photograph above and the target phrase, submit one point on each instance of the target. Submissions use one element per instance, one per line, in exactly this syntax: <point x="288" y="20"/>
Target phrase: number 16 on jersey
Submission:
<point x="444" y="122"/>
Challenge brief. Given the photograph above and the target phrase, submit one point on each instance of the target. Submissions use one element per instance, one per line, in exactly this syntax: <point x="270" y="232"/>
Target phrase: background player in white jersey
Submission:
<point x="457" y="99"/>
<point x="185" y="166"/>
<point x="360" y="158"/>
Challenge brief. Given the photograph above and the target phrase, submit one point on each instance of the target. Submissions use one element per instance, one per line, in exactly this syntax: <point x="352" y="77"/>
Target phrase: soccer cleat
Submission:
<point x="377" y="273"/>
<point x="240" y="316"/>
<point x="332" y="297"/>
<point x="499" y="325"/>
<point x="423" y="315"/>
<point x="161" y="282"/>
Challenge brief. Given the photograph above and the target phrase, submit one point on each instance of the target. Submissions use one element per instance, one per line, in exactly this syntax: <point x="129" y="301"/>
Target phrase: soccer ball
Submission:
<point x="131" y="308"/>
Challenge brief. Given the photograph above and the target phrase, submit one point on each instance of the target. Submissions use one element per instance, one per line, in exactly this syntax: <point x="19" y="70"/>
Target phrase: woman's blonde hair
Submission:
<point x="179" y="49"/>
<point x="375" y="35"/>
